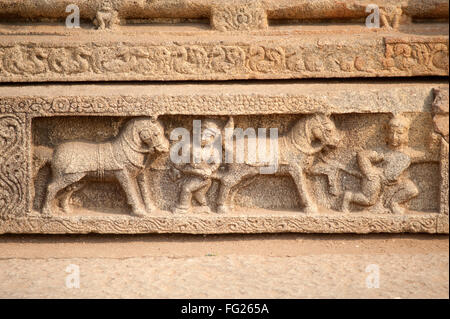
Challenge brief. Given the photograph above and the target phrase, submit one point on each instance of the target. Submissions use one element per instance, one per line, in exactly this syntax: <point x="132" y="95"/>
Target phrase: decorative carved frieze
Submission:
<point x="223" y="60"/>
<point x="346" y="159"/>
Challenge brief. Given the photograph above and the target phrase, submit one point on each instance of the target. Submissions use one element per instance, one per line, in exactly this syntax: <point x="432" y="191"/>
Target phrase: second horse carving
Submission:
<point x="308" y="137"/>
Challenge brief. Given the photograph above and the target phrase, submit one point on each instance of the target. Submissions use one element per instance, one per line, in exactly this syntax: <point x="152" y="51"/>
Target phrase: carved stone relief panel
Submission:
<point x="311" y="157"/>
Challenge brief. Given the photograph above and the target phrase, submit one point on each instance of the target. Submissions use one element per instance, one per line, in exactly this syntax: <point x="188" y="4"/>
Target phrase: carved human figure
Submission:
<point x="391" y="17"/>
<point x="124" y="159"/>
<point x="383" y="172"/>
<point x="196" y="179"/>
<point x="106" y="17"/>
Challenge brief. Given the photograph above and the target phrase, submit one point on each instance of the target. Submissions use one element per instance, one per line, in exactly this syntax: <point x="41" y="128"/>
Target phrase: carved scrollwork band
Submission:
<point x="27" y="62"/>
<point x="227" y="224"/>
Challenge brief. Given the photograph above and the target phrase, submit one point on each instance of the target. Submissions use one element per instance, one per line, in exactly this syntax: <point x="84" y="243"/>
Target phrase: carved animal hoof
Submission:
<point x="204" y="209"/>
<point x="397" y="209"/>
<point x="312" y="209"/>
<point x="46" y="211"/>
<point x="334" y="190"/>
<point x="345" y="202"/>
<point x="67" y="209"/>
<point x="180" y="210"/>
<point x="223" y="209"/>
<point x="139" y="213"/>
<point x="150" y="209"/>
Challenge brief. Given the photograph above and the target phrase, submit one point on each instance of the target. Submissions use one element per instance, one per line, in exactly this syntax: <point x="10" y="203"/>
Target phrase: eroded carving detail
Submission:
<point x="106" y="17"/>
<point x="417" y="56"/>
<point x="239" y="16"/>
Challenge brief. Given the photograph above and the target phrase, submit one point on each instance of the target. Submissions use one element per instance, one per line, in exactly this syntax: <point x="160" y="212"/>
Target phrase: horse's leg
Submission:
<point x="144" y="186"/>
<point x="231" y="180"/>
<point x="55" y="186"/>
<point x="223" y="202"/>
<point x="300" y="181"/>
<point x="65" y="199"/>
<point x="129" y="185"/>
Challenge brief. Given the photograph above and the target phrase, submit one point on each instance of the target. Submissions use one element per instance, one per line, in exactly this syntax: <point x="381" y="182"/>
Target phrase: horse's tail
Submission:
<point x="41" y="156"/>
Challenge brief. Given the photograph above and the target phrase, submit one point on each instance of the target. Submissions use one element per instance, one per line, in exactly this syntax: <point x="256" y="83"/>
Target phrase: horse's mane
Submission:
<point x="129" y="129"/>
<point x="300" y="134"/>
<point x="129" y="139"/>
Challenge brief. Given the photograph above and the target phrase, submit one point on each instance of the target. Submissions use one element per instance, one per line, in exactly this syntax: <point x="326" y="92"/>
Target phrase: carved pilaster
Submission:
<point x="13" y="166"/>
<point x="441" y="127"/>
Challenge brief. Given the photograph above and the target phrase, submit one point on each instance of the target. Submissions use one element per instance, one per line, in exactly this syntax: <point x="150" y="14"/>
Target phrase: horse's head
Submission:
<point x="154" y="137"/>
<point x="324" y="131"/>
<point x="315" y="132"/>
<point x="150" y="132"/>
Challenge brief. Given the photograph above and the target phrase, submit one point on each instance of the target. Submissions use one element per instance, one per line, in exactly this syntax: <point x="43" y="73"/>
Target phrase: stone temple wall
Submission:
<point x="231" y="116"/>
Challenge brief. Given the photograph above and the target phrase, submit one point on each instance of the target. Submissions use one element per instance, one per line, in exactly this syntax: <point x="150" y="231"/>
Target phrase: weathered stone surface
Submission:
<point x="361" y="155"/>
<point x="318" y="192"/>
<point x="444" y="178"/>
<point x="276" y="9"/>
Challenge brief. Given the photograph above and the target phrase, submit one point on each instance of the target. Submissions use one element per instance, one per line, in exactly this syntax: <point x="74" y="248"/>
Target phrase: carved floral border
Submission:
<point x="264" y="60"/>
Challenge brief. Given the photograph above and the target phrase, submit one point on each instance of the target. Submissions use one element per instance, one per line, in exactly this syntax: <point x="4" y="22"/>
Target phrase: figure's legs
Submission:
<point x="100" y="20"/>
<point x="59" y="183"/>
<point x="406" y="191"/>
<point x="200" y="196"/>
<point x="144" y="186"/>
<point x="190" y="185"/>
<point x="129" y="185"/>
<point x="371" y="189"/>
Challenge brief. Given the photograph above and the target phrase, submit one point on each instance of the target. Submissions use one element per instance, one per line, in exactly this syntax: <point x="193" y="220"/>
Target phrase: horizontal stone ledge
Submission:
<point x="276" y="9"/>
<point x="113" y="57"/>
<point x="220" y="99"/>
<point x="224" y="224"/>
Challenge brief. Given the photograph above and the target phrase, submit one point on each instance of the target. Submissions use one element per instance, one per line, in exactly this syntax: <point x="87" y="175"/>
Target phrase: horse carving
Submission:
<point x="296" y="152"/>
<point x="123" y="159"/>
